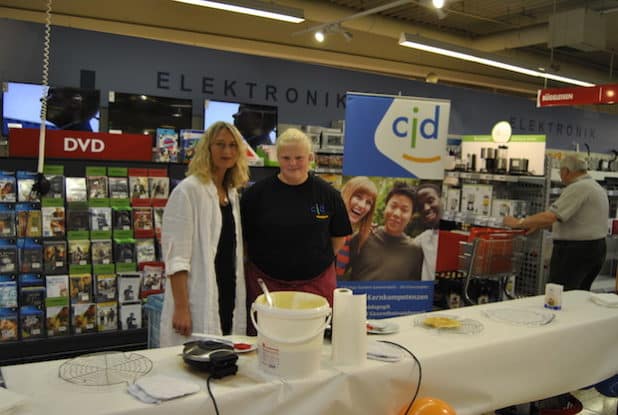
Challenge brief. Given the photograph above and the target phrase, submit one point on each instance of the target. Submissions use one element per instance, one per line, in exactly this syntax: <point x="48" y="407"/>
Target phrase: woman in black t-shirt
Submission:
<point x="293" y="223"/>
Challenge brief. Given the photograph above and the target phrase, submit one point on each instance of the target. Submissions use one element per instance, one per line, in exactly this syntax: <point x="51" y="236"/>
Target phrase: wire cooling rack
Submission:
<point x="105" y="368"/>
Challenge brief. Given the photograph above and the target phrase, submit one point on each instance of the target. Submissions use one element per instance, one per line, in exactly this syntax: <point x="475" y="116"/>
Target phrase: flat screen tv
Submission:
<point x="256" y="123"/>
<point x="68" y="108"/>
<point x="142" y="114"/>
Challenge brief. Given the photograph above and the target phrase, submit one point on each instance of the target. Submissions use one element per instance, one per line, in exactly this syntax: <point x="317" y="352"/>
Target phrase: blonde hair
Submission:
<point x="294" y="136"/>
<point x="201" y="164"/>
<point x="361" y="185"/>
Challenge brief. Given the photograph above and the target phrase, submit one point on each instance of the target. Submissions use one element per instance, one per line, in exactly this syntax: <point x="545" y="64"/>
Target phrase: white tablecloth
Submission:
<point x="500" y="366"/>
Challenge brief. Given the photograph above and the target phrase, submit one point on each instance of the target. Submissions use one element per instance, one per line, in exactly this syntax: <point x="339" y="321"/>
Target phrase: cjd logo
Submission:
<point x="412" y="133"/>
<point x="93" y="145"/>
<point x="427" y="128"/>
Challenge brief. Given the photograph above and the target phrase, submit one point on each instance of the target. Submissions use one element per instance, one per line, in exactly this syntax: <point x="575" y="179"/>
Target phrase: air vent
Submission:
<point x="580" y="29"/>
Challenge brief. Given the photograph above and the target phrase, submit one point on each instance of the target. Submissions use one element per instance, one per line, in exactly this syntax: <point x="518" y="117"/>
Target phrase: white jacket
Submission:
<point x="190" y="235"/>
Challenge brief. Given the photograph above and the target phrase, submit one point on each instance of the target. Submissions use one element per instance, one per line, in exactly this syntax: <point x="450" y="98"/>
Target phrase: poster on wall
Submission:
<point x="391" y="256"/>
<point x="395" y="136"/>
<point x="393" y="167"/>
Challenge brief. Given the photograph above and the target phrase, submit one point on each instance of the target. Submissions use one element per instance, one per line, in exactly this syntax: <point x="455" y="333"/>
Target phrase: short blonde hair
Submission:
<point x="201" y="164"/>
<point x="294" y="136"/>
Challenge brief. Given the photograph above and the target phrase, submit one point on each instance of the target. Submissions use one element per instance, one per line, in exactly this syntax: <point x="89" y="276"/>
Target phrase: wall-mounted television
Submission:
<point x="256" y="123"/>
<point x="131" y="113"/>
<point x="68" y="108"/>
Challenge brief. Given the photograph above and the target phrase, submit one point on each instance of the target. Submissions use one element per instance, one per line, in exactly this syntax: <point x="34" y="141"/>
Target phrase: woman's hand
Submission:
<point x="510" y="222"/>
<point x="181" y="321"/>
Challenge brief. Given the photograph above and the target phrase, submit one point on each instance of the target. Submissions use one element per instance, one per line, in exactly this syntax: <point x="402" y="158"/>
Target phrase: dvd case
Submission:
<point x="76" y="189"/>
<point x="56" y="186"/>
<point x="8" y="257"/>
<point x="53" y="222"/>
<point x="8" y="187"/>
<point x="55" y="257"/>
<point x="124" y="251"/>
<point x="7" y="222"/>
<point x="79" y="252"/>
<point x="159" y="187"/>
<point x="8" y="324"/>
<point x="57" y="321"/>
<point x="84" y="318"/>
<point x="8" y="291"/>
<point x="131" y="316"/>
<point x="142" y="220"/>
<point x="29" y="221"/>
<point x="33" y="296"/>
<point x="31" y="322"/>
<point x="100" y="218"/>
<point x="30" y="256"/>
<point x="77" y="219"/>
<point x="105" y="287"/>
<point x="138" y="187"/>
<point x="57" y="286"/>
<point x="97" y="187"/>
<point x="158" y="220"/>
<point x="81" y="288"/>
<point x="107" y="316"/>
<point x="145" y="250"/>
<point x="121" y="218"/>
<point x="101" y="252"/>
<point x="118" y="188"/>
<point x="128" y="287"/>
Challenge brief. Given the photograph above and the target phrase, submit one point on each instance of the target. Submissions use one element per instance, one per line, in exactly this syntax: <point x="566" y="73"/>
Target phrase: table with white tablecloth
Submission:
<point x="499" y="365"/>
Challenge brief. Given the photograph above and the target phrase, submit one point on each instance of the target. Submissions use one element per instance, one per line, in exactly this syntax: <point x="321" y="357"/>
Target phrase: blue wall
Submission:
<point x="304" y="93"/>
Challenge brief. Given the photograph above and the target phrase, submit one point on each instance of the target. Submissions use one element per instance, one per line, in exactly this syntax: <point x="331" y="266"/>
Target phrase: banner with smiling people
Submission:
<point x="394" y="154"/>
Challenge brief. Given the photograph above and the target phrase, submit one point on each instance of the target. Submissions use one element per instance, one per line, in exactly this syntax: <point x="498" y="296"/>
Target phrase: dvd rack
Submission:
<point x="81" y="259"/>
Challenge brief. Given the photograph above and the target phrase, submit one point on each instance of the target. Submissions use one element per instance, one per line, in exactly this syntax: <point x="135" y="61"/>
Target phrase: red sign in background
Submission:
<point x="24" y="142"/>
<point x="599" y="94"/>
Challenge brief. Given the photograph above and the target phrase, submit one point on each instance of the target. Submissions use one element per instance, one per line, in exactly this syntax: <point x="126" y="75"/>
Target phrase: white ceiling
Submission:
<point x="516" y="30"/>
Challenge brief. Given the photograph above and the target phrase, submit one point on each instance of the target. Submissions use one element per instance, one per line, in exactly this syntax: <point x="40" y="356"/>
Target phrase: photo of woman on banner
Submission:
<point x="389" y="254"/>
<point x="428" y="211"/>
<point x="359" y="196"/>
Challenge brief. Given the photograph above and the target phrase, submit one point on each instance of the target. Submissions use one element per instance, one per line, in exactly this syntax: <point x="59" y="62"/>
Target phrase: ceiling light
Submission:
<point x="438" y="4"/>
<point x="319" y="36"/>
<point x="254" y="8"/>
<point x="427" y="45"/>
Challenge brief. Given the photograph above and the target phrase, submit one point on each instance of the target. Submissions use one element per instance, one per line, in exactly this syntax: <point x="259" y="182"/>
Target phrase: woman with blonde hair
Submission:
<point x="294" y="223"/>
<point x="359" y="196"/>
<point x="202" y="242"/>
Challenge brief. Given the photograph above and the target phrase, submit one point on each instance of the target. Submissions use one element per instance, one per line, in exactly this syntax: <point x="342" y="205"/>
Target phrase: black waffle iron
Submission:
<point x="217" y="358"/>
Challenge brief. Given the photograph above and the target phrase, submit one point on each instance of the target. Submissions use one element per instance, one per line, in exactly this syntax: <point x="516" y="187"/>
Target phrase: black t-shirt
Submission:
<point x="288" y="228"/>
<point x="225" y="268"/>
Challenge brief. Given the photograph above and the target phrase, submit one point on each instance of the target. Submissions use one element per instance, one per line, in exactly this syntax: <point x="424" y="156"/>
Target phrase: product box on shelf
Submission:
<point x="84" y="318"/>
<point x="476" y="199"/>
<point x="8" y="187"/>
<point x="131" y="316"/>
<point x="105" y="288"/>
<point x="508" y="207"/>
<point x="28" y="219"/>
<point x="81" y="288"/>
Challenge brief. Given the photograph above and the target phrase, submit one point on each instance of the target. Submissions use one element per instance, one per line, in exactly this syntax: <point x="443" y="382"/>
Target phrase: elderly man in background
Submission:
<point x="579" y="226"/>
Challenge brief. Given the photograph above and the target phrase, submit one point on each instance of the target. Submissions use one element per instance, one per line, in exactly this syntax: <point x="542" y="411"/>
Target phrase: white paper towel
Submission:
<point x="349" y="338"/>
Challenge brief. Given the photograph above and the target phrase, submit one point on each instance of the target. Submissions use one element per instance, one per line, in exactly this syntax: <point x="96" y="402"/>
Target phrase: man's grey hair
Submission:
<point x="576" y="162"/>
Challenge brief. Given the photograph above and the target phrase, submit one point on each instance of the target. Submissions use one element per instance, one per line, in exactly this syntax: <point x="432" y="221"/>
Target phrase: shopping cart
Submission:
<point x="491" y="254"/>
<point x="153" y="307"/>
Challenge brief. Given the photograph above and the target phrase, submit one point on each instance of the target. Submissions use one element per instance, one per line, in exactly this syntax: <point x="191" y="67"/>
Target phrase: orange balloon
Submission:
<point x="428" y="406"/>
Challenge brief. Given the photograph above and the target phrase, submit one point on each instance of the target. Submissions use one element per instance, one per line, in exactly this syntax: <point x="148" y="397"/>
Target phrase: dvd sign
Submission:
<point x="24" y="142"/>
<point x="88" y="144"/>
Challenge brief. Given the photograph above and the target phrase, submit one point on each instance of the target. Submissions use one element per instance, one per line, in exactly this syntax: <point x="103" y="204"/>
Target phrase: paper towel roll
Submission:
<point x="349" y="338"/>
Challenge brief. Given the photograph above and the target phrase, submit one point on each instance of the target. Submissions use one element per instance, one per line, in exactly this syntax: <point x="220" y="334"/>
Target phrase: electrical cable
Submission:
<point x="420" y="372"/>
<point x="214" y="402"/>
<point x="45" y="82"/>
<point x="41" y="185"/>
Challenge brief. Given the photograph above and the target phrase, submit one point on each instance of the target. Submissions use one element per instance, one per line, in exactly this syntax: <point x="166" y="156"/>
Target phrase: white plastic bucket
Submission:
<point x="291" y="333"/>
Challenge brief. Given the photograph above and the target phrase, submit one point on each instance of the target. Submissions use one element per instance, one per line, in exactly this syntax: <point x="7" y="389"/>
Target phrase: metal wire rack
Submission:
<point x="497" y="256"/>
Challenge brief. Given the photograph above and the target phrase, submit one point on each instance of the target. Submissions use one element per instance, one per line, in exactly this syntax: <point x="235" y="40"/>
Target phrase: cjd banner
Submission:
<point x="24" y="142"/>
<point x="395" y="136"/>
